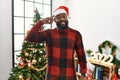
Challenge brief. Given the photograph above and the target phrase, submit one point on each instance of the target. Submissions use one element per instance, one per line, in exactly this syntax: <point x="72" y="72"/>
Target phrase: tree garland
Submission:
<point x="39" y="69"/>
<point x="113" y="53"/>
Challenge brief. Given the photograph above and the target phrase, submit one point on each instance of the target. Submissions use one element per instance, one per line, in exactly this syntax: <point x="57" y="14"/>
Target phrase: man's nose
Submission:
<point x="62" y="19"/>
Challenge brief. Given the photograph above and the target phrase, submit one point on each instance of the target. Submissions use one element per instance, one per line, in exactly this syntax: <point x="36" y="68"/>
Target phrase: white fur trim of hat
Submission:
<point x="61" y="9"/>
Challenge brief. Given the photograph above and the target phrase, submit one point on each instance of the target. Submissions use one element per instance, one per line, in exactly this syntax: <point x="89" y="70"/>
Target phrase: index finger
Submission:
<point x="52" y="16"/>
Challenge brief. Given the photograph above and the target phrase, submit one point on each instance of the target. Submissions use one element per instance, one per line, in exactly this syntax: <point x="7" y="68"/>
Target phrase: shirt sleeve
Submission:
<point x="35" y="34"/>
<point x="81" y="53"/>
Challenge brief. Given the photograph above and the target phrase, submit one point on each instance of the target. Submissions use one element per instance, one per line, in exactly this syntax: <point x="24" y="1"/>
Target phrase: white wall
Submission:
<point x="5" y="39"/>
<point x="57" y="3"/>
<point x="97" y="20"/>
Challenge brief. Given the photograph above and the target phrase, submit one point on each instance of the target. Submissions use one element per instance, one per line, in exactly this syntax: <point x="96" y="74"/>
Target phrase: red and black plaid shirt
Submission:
<point x="60" y="46"/>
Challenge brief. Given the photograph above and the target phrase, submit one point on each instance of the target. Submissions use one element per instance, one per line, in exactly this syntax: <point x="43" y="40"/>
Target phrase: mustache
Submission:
<point x="62" y="21"/>
<point x="62" y="27"/>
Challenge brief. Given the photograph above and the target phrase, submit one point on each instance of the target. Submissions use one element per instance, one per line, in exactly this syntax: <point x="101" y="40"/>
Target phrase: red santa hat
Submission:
<point x="61" y="9"/>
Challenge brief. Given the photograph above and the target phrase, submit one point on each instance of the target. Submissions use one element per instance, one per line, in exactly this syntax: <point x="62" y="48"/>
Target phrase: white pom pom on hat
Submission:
<point x="61" y="9"/>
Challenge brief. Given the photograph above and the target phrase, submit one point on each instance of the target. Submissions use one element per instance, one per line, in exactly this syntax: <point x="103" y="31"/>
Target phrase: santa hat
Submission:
<point x="61" y="9"/>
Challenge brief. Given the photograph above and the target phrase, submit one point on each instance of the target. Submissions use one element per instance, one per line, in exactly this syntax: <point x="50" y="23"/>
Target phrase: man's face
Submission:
<point x="61" y="21"/>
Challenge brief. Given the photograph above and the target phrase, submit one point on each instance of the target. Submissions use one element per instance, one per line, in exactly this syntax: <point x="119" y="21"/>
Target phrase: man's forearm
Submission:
<point x="34" y="32"/>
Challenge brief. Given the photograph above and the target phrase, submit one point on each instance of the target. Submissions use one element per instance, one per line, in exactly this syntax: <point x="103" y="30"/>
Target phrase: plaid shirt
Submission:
<point x="60" y="46"/>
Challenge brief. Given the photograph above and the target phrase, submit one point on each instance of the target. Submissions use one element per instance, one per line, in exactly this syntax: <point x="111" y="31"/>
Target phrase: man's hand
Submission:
<point x="83" y="78"/>
<point x="48" y="20"/>
<point x="80" y="77"/>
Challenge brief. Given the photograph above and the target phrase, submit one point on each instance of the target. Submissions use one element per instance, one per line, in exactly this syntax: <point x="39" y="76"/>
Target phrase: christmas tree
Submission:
<point x="32" y="60"/>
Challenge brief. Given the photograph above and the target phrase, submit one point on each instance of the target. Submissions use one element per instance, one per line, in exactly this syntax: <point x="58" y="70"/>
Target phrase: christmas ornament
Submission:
<point x="41" y="51"/>
<point x="41" y="44"/>
<point x="20" y="77"/>
<point x="34" y="61"/>
<point x="21" y="64"/>
<point x="39" y="60"/>
<point x="28" y="79"/>
<point x="28" y="61"/>
<point x="29" y="64"/>
<point x="89" y="75"/>
<point x="22" y="58"/>
<point x="114" y="77"/>
<point x="27" y="54"/>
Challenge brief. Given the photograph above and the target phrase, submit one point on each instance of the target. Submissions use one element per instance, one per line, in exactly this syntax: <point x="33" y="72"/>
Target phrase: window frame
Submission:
<point x="24" y="17"/>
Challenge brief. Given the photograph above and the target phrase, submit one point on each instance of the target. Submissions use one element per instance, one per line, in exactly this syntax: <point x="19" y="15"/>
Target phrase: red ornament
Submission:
<point x="21" y="64"/>
<point x="89" y="74"/>
<point x="22" y="58"/>
<point x="114" y="77"/>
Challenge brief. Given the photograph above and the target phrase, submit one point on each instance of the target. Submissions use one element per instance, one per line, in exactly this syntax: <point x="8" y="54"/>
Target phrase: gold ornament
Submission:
<point x="20" y="77"/>
<point x="34" y="61"/>
<point x="45" y="44"/>
<point x="26" y="54"/>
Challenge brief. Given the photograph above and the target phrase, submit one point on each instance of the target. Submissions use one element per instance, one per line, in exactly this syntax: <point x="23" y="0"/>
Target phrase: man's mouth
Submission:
<point x="63" y="23"/>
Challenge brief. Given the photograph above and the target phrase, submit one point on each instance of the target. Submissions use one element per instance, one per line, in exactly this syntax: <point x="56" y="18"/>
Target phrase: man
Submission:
<point x="61" y="42"/>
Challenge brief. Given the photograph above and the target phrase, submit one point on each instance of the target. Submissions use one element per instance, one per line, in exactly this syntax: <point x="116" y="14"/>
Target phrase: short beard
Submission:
<point x="61" y="27"/>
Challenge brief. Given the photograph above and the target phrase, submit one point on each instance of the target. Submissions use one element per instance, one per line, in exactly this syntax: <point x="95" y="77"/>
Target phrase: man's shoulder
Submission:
<point x="73" y="30"/>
